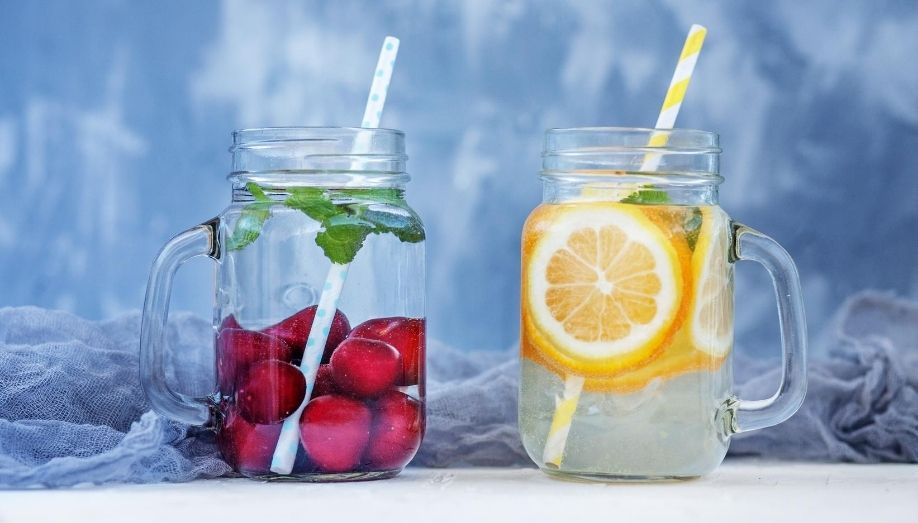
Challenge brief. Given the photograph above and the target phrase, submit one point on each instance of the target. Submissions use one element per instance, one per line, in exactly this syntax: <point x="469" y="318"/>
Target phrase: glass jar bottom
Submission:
<point x="322" y="477"/>
<point x="595" y="477"/>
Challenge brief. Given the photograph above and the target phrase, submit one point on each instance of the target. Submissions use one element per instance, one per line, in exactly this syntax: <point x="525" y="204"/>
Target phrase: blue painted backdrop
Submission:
<point x="115" y="119"/>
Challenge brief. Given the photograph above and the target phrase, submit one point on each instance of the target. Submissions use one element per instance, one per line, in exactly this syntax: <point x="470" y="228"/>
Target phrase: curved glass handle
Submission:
<point x="197" y="241"/>
<point x="750" y="244"/>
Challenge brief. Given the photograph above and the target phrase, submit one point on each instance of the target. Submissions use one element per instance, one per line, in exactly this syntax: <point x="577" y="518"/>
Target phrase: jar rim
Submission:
<point x="319" y="155"/>
<point x="563" y="139"/>
<point x="626" y="128"/>
<point x="256" y="136"/>
<point x="689" y="154"/>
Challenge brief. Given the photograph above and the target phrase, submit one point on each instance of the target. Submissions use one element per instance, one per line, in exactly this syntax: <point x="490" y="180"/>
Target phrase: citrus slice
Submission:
<point x="602" y="287"/>
<point x="711" y="317"/>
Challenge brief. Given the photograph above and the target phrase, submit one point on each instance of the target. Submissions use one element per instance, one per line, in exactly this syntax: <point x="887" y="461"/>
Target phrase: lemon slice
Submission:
<point x="711" y="317"/>
<point x="602" y="287"/>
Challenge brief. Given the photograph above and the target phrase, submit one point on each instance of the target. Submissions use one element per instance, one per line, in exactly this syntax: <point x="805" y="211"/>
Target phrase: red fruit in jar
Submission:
<point x="405" y="334"/>
<point x="245" y="446"/>
<point x="396" y="433"/>
<point x="230" y="323"/>
<point x="365" y="368"/>
<point x="270" y="391"/>
<point x="325" y="382"/>
<point x="238" y="349"/>
<point x="295" y="331"/>
<point x="334" y="430"/>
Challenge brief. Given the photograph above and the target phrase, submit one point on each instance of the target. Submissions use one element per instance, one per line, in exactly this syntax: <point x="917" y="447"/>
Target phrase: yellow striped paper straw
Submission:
<point x="566" y="404"/>
<point x="676" y="93"/>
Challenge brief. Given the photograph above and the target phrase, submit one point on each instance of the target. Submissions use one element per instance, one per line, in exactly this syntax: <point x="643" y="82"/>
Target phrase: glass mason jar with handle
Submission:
<point x="627" y="309"/>
<point x="319" y="325"/>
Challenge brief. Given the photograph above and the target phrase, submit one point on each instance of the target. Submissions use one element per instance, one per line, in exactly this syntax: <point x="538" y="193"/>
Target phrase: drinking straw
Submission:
<point x="566" y="404"/>
<point x="287" y="444"/>
<point x="676" y="93"/>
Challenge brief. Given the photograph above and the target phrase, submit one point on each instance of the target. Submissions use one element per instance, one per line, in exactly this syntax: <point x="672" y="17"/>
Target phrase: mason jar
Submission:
<point x="319" y="326"/>
<point x="627" y="309"/>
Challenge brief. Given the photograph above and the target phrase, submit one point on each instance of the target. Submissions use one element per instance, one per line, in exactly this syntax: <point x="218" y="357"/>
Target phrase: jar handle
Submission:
<point x="749" y="244"/>
<point x="197" y="241"/>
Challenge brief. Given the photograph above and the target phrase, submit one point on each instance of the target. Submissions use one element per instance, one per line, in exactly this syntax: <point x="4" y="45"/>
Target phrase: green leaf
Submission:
<point x="388" y="195"/>
<point x="404" y="224"/>
<point x="342" y="233"/>
<point x="650" y="196"/>
<point x="251" y="219"/>
<point x="647" y="196"/>
<point x="342" y="239"/>
<point x="411" y="234"/>
<point x="345" y="225"/>
<point x="692" y="226"/>
<point x="313" y="202"/>
<point x="257" y="193"/>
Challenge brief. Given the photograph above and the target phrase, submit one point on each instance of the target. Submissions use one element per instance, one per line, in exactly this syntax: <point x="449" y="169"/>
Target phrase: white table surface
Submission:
<point x="737" y="491"/>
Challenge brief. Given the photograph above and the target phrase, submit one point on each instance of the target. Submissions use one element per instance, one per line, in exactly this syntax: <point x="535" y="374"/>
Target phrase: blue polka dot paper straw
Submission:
<point x="381" y="78"/>
<point x="288" y="443"/>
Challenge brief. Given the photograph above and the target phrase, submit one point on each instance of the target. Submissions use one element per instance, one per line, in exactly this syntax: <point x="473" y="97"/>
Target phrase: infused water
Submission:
<point x="626" y="338"/>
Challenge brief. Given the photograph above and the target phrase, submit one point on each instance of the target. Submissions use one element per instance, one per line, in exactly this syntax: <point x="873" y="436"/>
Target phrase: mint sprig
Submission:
<point x="691" y="222"/>
<point x="346" y="221"/>
<point x="342" y="237"/>
<point x="355" y="214"/>
<point x="251" y="220"/>
<point x="647" y="196"/>
<point x="692" y="225"/>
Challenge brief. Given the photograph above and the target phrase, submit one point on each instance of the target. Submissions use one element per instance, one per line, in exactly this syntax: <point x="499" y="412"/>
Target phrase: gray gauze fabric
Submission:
<point x="71" y="407"/>
<point x="862" y="400"/>
<point x="72" y="412"/>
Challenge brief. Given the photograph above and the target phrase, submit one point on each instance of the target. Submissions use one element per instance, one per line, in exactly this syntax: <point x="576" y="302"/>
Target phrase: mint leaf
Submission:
<point x="647" y="196"/>
<point x="251" y="220"/>
<point x="346" y="225"/>
<point x="313" y="202"/>
<point x="404" y="224"/>
<point x="342" y="237"/>
<point x="692" y="226"/>
<point x="388" y="195"/>
<point x="342" y="233"/>
<point x="256" y="191"/>
<point x="397" y="218"/>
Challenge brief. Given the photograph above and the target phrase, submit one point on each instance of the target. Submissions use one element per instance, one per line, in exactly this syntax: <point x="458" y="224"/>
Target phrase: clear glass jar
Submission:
<point x="627" y="309"/>
<point x="319" y="308"/>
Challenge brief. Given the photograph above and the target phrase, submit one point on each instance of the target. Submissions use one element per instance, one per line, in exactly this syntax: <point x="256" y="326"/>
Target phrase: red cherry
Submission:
<point x="270" y="391"/>
<point x="238" y="349"/>
<point x="325" y="382"/>
<point x="295" y="331"/>
<point x="247" y="447"/>
<point x="405" y="334"/>
<point x="365" y="368"/>
<point x="230" y="323"/>
<point x="396" y="433"/>
<point x="335" y="430"/>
